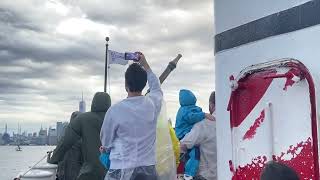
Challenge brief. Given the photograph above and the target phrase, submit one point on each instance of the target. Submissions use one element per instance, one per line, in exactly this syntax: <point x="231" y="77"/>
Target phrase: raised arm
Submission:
<point x="194" y="117"/>
<point x="193" y="138"/>
<point x="156" y="94"/>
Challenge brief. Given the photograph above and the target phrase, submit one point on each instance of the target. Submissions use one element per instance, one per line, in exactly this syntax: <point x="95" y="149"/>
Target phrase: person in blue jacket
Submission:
<point x="188" y="115"/>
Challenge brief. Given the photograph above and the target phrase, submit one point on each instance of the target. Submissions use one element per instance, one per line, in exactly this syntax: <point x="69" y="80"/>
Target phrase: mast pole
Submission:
<point x="106" y="66"/>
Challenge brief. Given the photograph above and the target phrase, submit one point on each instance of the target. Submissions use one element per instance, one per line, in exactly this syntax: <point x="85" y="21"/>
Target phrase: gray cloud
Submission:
<point x="10" y="18"/>
<point x="44" y="69"/>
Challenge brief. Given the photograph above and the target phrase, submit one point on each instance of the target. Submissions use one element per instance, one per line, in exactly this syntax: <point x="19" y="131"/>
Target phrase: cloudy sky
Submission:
<point x="52" y="50"/>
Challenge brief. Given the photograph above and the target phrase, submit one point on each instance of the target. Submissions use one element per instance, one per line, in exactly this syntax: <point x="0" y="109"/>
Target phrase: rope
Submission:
<point x="32" y="166"/>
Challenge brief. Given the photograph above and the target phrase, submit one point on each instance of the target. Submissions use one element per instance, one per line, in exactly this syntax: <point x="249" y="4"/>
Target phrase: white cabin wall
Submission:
<point x="230" y="13"/>
<point x="302" y="45"/>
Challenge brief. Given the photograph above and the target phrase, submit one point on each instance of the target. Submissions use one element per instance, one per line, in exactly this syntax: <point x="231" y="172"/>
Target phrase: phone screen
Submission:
<point x="132" y="56"/>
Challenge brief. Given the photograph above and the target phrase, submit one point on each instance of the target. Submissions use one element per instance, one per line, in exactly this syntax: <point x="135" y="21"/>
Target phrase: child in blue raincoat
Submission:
<point x="188" y="115"/>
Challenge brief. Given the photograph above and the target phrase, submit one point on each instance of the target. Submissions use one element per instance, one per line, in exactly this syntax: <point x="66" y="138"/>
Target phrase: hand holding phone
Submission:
<point x="132" y="56"/>
<point x="143" y="62"/>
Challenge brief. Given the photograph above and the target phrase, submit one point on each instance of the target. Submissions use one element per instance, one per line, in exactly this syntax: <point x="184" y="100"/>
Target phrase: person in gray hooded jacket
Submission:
<point x="203" y="134"/>
<point x="86" y="126"/>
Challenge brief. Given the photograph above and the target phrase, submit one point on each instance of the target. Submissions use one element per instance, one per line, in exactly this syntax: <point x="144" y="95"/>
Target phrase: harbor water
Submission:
<point x="12" y="162"/>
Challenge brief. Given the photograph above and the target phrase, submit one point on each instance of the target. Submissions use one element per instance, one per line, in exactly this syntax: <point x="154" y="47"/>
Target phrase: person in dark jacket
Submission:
<point x="69" y="167"/>
<point x="86" y="126"/>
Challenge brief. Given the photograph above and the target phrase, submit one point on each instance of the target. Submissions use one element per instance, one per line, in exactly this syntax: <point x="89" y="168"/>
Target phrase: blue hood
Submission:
<point x="187" y="98"/>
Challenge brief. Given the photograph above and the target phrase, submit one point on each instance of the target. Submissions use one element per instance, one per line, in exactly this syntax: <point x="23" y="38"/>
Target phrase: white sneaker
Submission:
<point x="180" y="177"/>
<point x="187" y="177"/>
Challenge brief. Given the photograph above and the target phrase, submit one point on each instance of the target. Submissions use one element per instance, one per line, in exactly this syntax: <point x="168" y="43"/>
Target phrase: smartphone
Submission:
<point x="131" y="56"/>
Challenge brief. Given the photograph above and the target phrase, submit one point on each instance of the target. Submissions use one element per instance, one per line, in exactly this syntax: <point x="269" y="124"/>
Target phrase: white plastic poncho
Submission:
<point x="166" y="162"/>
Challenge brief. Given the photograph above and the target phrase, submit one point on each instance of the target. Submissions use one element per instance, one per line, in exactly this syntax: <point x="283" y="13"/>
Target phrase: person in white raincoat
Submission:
<point x="203" y="134"/>
<point x="128" y="132"/>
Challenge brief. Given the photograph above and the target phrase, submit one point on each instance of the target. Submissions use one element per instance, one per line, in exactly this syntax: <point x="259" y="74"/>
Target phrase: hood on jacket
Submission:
<point x="187" y="98"/>
<point x="101" y="102"/>
<point x="74" y="115"/>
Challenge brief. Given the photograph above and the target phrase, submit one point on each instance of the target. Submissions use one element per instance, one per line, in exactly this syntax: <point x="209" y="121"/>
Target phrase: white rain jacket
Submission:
<point x="203" y="134"/>
<point x="129" y="128"/>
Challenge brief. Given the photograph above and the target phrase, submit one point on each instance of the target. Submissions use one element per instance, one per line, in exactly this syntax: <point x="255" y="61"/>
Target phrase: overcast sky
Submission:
<point x="52" y="50"/>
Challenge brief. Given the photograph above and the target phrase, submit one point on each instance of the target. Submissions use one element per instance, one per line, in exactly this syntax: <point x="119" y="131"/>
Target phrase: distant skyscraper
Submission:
<point x="1" y="140"/>
<point x="82" y="105"/>
<point x="59" y="130"/>
<point x="5" y="137"/>
<point x="52" y="136"/>
<point x="43" y="137"/>
<point x="64" y="125"/>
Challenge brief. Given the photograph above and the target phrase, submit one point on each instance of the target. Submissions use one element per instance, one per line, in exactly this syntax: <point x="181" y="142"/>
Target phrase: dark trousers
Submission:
<point x="198" y="177"/>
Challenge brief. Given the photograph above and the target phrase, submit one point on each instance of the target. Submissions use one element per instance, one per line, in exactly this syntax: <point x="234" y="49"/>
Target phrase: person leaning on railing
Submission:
<point x="86" y="126"/>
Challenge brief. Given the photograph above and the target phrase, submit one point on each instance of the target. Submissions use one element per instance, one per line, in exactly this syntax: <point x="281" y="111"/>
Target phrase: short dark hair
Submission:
<point x="212" y="98"/>
<point x="136" y="78"/>
<point x="278" y="171"/>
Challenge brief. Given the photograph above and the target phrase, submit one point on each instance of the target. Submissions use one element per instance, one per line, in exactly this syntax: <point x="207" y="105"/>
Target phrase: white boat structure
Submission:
<point x="40" y="171"/>
<point x="267" y="86"/>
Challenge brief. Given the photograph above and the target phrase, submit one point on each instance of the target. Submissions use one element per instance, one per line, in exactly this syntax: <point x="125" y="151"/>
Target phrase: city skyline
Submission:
<point x="44" y="136"/>
<point x="27" y="130"/>
<point x="81" y="108"/>
<point x="13" y="127"/>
